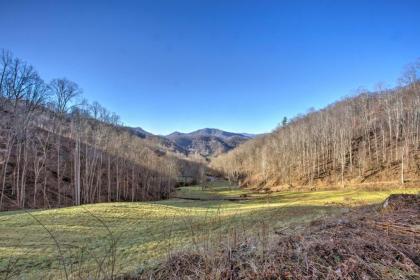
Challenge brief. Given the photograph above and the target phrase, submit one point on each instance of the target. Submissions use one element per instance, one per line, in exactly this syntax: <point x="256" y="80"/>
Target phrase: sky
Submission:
<point x="241" y="65"/>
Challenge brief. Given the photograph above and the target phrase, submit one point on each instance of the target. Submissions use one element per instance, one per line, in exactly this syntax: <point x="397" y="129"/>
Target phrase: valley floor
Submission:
<point x="107" y="239"/>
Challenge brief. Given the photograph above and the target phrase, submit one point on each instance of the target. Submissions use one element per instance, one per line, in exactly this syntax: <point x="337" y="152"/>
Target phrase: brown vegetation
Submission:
<point x="58" y="150"/>
<point x="372" y="137"/>
<point x="373" y="242"/>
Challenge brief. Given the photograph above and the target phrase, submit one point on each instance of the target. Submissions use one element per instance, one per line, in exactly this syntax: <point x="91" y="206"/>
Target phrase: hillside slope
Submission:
<point x="372" y="137"/>
<point x="56" y="152"/>
<point x="81" y="162"/>
<point x="162" y="142"/>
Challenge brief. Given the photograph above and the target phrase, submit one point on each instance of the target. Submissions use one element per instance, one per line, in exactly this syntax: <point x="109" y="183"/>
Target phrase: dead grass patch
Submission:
<point x="371" y="242"/>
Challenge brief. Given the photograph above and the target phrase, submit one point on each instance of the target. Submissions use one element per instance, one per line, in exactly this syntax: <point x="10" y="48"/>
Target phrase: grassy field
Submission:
<point x="113" y="238"/>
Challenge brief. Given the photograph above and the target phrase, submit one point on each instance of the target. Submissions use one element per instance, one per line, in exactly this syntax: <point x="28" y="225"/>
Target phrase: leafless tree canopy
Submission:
<point x="373" y="136"/>
<point x="56" y="149"/>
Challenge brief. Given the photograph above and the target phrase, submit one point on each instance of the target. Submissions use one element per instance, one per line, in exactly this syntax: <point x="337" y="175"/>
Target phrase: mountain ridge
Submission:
<point x="206" y="142"/>
<point x="211" y="132"/>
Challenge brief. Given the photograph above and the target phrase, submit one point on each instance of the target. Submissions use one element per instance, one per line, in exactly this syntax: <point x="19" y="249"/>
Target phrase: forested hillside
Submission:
<point x="56" y="149"/>
<point x="370" y="137"/>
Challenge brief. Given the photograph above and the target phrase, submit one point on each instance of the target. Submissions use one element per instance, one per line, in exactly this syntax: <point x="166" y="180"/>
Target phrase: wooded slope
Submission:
<point x="371" y="137"/>
<point x="58" y="150"/>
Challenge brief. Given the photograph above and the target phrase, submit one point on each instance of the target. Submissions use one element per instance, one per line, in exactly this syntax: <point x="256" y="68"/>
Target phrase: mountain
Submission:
<point x="212" y="132"/>
<point x="208" y="142"/>
<point x="140" y="132"/>
<point x="160" y="143"/>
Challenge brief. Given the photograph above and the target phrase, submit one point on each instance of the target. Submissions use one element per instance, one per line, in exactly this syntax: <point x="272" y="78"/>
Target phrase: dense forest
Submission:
<point x="56" y="149"/>
<point x="369" y="137"/>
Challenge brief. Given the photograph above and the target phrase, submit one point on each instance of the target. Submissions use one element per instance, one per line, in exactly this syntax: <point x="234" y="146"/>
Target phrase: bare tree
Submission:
<point x="354" y="138"/>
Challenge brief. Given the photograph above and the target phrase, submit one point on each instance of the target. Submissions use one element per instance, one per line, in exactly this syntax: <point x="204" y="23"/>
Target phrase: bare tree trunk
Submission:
<point x="118" y="182"/>
<point x="77" y="171"/>
<point x="23" y="179"/>
<point x="402" y="165"/>
<point x="109" y="178"/>
<point x="4" y="170"/>
<point x="58" y="166"/>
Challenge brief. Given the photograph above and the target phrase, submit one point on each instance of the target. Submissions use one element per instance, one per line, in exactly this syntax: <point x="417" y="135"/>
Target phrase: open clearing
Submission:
<point x="144" y="233"/>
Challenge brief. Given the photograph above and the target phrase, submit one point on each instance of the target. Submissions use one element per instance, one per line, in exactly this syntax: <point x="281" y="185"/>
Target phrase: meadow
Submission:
<point x="109" y="239"/>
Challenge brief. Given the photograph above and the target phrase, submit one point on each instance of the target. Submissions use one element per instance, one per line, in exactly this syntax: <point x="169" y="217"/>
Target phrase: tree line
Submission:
<point x="373" y="136"/>
<point x="57" y="149"/>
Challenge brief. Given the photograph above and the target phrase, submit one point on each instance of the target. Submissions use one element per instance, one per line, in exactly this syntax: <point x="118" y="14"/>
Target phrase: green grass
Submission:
<point x="147" y="232"/>
<point x="211" y="191"/>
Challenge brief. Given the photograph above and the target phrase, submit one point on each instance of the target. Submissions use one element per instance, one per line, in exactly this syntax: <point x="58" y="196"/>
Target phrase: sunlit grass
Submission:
<point x="211" y="190"/>
<point x="146" y="232"/>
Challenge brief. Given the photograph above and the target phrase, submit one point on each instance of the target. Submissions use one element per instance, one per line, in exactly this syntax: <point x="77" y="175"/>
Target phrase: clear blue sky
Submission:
<point x="235" y="65"/>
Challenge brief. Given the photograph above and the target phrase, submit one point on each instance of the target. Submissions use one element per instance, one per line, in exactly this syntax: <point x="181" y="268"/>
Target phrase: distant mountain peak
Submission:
<point x="208" y="141"/>
<point x="175" y="133"/>
<point x="212" y="132"/>
<point x="140" y="132"/>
